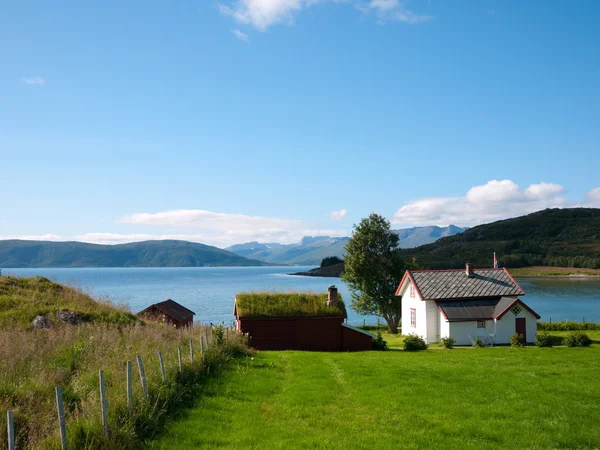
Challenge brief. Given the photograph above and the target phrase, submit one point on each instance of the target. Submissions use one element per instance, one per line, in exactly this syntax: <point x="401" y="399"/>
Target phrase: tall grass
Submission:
<point x="279" y="304"/>
<point x="33" y="362"/>
<point x="567" y="326"/>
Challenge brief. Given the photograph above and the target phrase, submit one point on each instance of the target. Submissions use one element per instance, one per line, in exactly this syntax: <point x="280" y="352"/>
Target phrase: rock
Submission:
<point x="69" y="317"/>
<point x="42" y="321"/>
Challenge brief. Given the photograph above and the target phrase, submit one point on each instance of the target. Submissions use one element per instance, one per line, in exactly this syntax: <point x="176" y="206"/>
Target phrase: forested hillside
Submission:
<point x="553" y="237"/>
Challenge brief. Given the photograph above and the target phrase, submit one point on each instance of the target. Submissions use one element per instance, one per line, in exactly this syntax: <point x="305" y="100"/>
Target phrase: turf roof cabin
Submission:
<point x="169" y="312"/>
<point x="298" y="321"/>
<point x="465" y="304"/>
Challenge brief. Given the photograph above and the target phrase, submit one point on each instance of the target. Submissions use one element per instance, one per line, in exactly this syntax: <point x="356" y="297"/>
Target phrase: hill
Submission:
<point x="17" y="253"/>
<point x="312" y="249"/>
<point x="552" y="237"/>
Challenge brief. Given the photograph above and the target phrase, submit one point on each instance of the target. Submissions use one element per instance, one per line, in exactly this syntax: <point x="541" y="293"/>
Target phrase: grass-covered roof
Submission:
<point x="280" y="304"/>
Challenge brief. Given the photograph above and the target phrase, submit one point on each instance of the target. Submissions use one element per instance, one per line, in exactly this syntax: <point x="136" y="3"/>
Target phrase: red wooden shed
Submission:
<point x="298" y="321"/>
<point x="169" y="311"/>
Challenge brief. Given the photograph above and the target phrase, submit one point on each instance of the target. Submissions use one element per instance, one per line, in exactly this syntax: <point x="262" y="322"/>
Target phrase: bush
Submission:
<point x="567" y="326"/>
<point x="544" y="340"/>
<point x="379" y="343"/>
<point x="447" y="342"/>
<point x="414" y="342"/>
<point x="478" y="342"/>
<point x="577" y="339"/>
<point x="517" y="340"/>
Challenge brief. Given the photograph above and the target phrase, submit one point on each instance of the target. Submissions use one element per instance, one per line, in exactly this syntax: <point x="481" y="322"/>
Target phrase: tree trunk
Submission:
<point x="392" y="323"/>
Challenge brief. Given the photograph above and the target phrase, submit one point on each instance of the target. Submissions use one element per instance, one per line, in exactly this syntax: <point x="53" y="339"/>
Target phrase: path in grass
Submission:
<point x="461" y="398"/>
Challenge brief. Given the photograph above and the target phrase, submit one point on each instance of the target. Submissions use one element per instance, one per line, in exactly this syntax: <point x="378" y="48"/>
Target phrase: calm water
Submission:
<point x="209" y="291"/>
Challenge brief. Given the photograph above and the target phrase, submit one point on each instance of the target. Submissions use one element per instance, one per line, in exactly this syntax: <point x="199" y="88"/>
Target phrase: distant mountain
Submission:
<point x="553" y="237"/>
<point x="312" y="249"/>
<point x="17" y="253"/>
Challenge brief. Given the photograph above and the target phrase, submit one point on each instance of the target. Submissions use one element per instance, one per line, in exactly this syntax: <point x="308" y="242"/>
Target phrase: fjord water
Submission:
<point x="209" y="291"/>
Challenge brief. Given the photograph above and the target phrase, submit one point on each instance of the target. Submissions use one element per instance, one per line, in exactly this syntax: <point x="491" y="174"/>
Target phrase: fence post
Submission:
<point x="103" y="403"/>
<point x="143" y="377"/>
<point x="202" y="345"/>
<point x="191" y="351"/>
<point x="180" y="362"/>
<point x="10" y="430"/>
<point x="206" y="337"/>
<point x="162" y="367"/>
<point x="129" y="390"/>
<point x="61" y="418"/>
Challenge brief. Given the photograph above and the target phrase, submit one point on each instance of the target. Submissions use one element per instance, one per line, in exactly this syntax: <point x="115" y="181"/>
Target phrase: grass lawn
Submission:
<point x="463" y="398"/>
<point x="544" y="271"/>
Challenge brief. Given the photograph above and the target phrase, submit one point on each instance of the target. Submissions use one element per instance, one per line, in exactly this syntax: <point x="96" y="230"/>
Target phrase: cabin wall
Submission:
<point x="506" y="326"/>
<point x="420" y="307"/>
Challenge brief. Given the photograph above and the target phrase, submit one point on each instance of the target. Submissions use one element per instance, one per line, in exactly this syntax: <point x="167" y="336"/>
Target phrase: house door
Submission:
<point x="521" y="326"/>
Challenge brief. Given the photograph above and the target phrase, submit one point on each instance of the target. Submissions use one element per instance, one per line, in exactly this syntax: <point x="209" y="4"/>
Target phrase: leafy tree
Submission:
<point x="331" y="261"/>
<point x="373" y="269"/>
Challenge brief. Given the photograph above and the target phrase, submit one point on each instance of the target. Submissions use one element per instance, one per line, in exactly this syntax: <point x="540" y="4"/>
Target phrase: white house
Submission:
<point x="465" y="304"/>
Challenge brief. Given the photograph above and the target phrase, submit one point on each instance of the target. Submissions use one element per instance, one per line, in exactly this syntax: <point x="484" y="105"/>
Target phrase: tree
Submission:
<point x="331" y="261"/>
<point x="373" y="270"/>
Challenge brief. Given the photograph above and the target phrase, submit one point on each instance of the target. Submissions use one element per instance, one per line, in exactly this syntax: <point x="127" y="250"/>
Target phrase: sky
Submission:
<point x="231" y="121"/>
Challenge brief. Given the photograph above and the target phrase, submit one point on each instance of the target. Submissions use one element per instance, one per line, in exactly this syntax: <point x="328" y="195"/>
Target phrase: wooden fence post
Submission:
<point x="180" y="362"/>
<point x="143" y="377"/>
<point x="191" y="351"/>
<point x="206" y="335"/>
<point x="61" y="418"/>
<point x="103" y="403"/>
<point x="162" y="367"/>
<point x="202" y="345"/>
<point x="129" y="390"/>
<point x="10" y="428"/>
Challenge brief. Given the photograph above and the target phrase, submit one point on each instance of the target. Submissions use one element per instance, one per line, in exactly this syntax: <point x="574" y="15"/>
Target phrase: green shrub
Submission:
<point x="517" y="340"/>
<point x="447" y="342"/>
<point x="219" y="334"/>
<point x="567" y="326"/>
<point x="414" y="342"/>
<point x="478" y="342"/>
<point x="544" y="340"/>
<point x="577" y="339"/>
<point x="379" y="343"/>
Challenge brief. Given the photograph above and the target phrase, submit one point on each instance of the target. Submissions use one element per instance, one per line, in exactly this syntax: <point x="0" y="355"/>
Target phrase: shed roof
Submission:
<point x="455" y="284"/>
<point x="290" y="304"/>
<point x="172" y="309"/>
<point x="479" y="309"/>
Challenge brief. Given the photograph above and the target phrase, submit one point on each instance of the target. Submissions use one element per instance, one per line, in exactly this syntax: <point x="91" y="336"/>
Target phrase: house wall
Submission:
<point x="462" y="330"/>
<point x="444" y="326"/>
<point x="506" y="326"/>
<point x="420" y="307"/>
<point x="433" y="321"/>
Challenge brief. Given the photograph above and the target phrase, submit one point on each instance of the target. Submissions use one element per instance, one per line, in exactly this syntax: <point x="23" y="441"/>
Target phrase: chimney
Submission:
<point x="332" y="295"/>
<point x="469" y="270"/>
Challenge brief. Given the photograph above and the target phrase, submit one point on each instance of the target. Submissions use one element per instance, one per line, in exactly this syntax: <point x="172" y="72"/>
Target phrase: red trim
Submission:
<point x="401" y="283"/>
<point x="415" y="325"/>
<point x="441" y="310"/>
<point x="536" y="315"/>
<point x="513" y="280"/>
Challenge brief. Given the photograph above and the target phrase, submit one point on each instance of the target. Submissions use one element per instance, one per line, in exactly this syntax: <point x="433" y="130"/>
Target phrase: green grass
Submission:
<point x="278" y="304"/>
<point x="544" y="271"/>
<point x="463" y="398"/>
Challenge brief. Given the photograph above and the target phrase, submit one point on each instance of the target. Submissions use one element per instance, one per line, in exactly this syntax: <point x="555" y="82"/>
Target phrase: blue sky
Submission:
<point x="229" y="121"/>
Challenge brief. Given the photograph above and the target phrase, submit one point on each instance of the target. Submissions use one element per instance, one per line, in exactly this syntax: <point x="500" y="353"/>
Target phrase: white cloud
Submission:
<point x="261" y="14"/>
<point x="36" y="80"/>
<point x="592" y="199"/>
<point x="338" y="215"/>
<point x="486" y="203"/>
<point x="240" y="35"/>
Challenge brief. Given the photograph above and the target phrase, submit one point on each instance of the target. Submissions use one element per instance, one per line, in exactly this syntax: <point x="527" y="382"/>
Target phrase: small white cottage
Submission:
<point x="465" y="304"/>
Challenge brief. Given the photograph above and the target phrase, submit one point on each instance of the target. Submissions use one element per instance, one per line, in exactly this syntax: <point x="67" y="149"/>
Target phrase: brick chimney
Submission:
<point x="469" y="270"/>
<point x="332" y="295"/>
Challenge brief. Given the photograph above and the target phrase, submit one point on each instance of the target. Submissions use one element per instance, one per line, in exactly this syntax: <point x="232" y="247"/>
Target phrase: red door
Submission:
<point x="521" y="326"/>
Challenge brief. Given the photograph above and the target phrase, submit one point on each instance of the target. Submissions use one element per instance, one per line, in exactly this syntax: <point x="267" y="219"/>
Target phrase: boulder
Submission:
<point x="69" y="317"/>
<point x="42" y="321"/>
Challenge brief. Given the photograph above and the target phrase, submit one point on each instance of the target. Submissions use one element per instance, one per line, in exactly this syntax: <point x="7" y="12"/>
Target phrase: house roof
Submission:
<point x="172" y="309"/>
<point x="286" y="304"/>
<point x="479" y="309"/>
<point x="455" y="284"/>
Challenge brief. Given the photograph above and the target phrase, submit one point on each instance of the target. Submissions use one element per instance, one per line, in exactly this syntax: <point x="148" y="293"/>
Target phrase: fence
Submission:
<point x="206" y="338"/>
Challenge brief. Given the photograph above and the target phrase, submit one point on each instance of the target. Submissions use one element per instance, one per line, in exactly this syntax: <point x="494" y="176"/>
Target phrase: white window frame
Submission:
<point x="481" y="324"/>
<point x="412" y="290"/>
<point x="413" y="317"/>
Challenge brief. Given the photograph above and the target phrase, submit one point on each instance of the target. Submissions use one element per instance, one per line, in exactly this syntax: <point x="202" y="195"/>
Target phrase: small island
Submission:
<point x="331" y="267"/>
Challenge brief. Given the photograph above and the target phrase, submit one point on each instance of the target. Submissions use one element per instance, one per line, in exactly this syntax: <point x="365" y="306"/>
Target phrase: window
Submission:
<point x="412" y="290"/>
<point x="516" y="310"/>
<point x="413" y="317"/>
<point x="481" y="324"/>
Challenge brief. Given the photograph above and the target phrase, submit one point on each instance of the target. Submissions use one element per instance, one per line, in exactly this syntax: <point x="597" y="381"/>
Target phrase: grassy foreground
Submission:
<point x="463" y="398"/>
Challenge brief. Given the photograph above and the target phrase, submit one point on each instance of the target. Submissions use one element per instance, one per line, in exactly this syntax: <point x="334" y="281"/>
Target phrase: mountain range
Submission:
<point x="18" y="253"/>
<point x="311" y="250"/>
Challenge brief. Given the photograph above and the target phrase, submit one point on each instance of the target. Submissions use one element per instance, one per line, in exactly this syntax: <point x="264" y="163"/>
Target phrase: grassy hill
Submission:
<point x="553" y="237"/>
<point x="34" y="362"/>
<point x="18" y="253"/>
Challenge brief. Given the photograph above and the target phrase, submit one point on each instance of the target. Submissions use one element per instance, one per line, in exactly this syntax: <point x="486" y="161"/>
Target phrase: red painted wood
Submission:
<point x="521" y="326"/>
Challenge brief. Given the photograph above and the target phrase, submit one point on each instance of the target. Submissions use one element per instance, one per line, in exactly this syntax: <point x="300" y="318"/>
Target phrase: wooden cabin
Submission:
<point x="298" y="321"/>
<point x="170" y="312"/>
